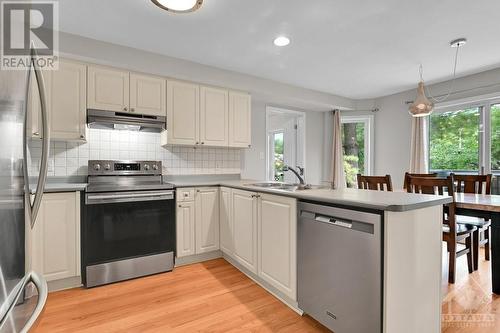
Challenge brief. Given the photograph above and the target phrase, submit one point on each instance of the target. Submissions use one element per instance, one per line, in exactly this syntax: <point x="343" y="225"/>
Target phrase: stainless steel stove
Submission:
<point x="128" y="227"/>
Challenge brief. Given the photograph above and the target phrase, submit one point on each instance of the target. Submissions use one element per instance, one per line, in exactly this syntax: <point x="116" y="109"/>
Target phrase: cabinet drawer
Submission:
<point x="185" y="194"/>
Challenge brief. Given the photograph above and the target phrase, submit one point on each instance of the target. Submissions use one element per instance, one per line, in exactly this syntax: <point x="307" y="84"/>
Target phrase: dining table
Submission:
<point x="485" y="206"/>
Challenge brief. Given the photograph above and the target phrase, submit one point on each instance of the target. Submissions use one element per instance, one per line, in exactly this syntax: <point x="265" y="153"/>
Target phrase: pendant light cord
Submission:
<point x="452" y="85"/>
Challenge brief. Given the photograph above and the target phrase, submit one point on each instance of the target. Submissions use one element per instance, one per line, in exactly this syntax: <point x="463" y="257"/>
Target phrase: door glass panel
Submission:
<point x="495" y="148"/>
<point x="353" y="144"/>
<point x="278" y="163"/>
<point x="454" y="140"/>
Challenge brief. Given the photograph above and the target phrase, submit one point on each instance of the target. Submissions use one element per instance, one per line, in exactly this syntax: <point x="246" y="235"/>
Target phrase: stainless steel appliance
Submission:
<point x="125" y="120"/>
<point x="128" y="227"/>
<point x="340" y="267"/>
<point x="20" y="304"/>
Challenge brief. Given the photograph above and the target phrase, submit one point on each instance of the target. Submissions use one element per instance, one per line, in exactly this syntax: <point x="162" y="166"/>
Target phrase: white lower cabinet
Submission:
<point x="185" y="229"/>
<point x="197" y="221"/>
<point x="226" y="221"/>
<point x="55" y="239"/>
<point x="277" y="249"/>
<point x="244" y="216"/>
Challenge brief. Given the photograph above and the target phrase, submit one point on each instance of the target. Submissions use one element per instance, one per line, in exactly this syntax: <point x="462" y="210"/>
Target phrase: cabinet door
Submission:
<point x="214" y="115"/>
<point x="108" y="89"/>
<point x="183" y="112"/>
<point x="244" y="211"/>
<point x="226" y="222"/>
<point x="56" y="236"/>
<point x="207" y="219"/>
<point x="148" y="95"/>
<point x="68" y="100"/>
<point x="34" y="124"/>
<point x="278" y="242"/>
<point x="240" y="119"/>
<point x="185" y="229"/>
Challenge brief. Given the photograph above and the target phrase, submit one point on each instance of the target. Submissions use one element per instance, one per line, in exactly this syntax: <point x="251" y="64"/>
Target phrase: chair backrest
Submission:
<point x="439" y="186"/>
<point x="479" y="184"/>
<point x="407" y="174"/>
<point x="375" y="182"/>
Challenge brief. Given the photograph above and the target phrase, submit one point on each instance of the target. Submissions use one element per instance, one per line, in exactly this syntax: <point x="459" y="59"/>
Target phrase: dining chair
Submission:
<point x="407" y="174"/>
<point x="380" y="183"/>
<point x="452" y="232"/>
<point x="478" y="184"/>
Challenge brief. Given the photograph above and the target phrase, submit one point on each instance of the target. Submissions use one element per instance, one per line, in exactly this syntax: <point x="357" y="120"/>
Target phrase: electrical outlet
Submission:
<point x="261" y="155"/>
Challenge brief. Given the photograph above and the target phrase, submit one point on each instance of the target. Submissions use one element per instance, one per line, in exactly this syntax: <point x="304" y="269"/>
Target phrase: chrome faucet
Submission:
<point x="302" y="183"/>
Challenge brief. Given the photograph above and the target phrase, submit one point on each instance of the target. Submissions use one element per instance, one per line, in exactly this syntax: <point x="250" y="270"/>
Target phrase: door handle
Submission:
<point x="42" y="176"/>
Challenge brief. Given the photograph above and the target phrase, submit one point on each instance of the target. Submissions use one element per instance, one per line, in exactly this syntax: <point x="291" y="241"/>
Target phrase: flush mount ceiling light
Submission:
<point x="422" y="106"/>
<point x="281" y="41"/>
<point x="179" y="6"/>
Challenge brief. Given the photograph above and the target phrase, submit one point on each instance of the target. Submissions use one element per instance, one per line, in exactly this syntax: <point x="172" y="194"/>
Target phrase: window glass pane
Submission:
<point x="353" y="143"/>
<point x="454" y="140"/>
<point x="495" y="137"/>
<point x="278" y="156"/>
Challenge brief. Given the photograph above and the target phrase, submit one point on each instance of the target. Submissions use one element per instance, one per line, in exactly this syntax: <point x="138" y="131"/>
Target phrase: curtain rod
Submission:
<point x="360" y="110"/>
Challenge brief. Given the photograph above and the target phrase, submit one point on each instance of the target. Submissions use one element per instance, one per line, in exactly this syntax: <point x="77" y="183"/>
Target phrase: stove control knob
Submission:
<point x="97" y="167"/>
<point x="146" y="167"/>
<point x="155" y="167"/>
<point x="107" y="167"/>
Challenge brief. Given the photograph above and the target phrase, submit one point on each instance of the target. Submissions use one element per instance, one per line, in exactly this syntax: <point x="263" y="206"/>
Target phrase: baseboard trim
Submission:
<point x="188" y="260"/>
<point x="63" y="284"/>
<point x="275" y="292"/>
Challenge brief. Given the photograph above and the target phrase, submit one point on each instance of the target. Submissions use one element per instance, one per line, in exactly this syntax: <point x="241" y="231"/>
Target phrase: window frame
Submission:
<point x="368" y="121"/>
<point x="483" y="103"/>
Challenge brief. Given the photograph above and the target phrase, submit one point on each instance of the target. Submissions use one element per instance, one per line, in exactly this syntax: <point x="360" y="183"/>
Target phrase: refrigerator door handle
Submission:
<point x="41" y="286"/>
<point x="42" y="177"/>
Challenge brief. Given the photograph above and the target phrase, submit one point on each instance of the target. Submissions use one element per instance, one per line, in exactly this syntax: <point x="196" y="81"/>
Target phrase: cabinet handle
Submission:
<point x="197" y="143"/>
<point x="36" y="133"/>
<point x="132" y="109"/>
<point x="82" y="136"/>
<point x="249" y="146"/>
<point x="203" y="143"/>
<point x="125" y="109"/>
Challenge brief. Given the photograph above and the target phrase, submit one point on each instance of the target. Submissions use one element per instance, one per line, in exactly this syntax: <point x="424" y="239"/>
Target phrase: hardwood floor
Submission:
<point x="208" y="297"/>
<point x="215" y="297"/>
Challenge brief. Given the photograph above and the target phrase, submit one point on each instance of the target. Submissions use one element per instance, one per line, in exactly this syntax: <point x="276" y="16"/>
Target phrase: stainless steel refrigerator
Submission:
<point x="22" y="292"/>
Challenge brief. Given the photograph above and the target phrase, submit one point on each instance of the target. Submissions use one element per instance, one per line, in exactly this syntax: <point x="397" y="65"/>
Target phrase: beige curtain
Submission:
<point x="337" y="177"/>
<point x="419" y="145"/>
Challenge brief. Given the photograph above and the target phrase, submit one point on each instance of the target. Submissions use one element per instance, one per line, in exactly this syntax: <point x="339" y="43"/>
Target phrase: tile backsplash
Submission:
<point x="71" y="158"/>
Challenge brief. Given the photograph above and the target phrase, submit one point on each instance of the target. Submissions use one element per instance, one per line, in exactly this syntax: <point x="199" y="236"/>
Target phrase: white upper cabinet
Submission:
<point x="244" y="212"/>
<point x="278" y="242"/>
<point x="148" y="95"/>
<point x="226" y="222"/>
<point x="207" y="219"/>
<point x="214" y="113"/>
<point x="240" y="119"/>
<point x="66" y="102"/>
<point x="183" y="113"/>
<point x="108" y="89"/>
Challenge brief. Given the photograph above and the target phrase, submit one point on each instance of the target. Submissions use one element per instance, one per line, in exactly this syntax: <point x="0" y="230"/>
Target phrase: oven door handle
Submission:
<point x="128" y="197"/>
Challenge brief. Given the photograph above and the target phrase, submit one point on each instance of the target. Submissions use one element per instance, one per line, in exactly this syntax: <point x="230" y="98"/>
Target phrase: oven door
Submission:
<point x="123" y="225"/>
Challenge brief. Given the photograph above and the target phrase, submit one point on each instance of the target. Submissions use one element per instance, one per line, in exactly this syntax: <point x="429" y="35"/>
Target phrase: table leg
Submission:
<point x="495" y="252"/>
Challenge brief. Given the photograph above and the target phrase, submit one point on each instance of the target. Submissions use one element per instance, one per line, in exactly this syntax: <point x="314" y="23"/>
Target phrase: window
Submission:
<point x="357" y="146"/>
<point x="278" y="150"/>
<point x="454" y="140"/>
<point x="464" y="137"/>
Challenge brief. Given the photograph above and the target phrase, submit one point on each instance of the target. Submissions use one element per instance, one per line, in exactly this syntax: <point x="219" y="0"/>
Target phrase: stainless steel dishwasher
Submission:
<point x="340" y="267"/>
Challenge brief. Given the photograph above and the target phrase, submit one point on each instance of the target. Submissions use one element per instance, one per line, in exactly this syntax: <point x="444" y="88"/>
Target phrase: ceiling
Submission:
<point x="352" y="48"/>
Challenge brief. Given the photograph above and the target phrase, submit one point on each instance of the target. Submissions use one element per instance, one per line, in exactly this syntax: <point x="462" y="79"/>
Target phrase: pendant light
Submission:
<point x="422" y="106"/>
<point x="178" y="6"/>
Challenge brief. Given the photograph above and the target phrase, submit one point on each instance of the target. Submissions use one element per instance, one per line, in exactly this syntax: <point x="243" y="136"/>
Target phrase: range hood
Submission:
<point x="122" y="120"/>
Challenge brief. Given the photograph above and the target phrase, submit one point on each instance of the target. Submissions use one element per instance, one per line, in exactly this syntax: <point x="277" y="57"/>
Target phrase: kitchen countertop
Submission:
<point x="379" y="200"/>
<point x="60" y="187"/>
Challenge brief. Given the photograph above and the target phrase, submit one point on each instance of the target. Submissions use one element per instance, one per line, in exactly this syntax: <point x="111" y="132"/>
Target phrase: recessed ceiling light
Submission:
<point x="179" y="6"/>
<point x="281" y="41"/>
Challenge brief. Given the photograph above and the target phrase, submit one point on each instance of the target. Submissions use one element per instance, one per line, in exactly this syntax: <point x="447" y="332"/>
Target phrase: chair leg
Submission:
<point x="469" y="244"/>
<point x="487" y="233"/>
<point x="475" y="248"/>
<point x="452" y="249"/>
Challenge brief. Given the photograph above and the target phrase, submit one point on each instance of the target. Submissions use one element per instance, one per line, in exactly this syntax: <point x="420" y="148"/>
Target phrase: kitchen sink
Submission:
<point x="279" y="186"/>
